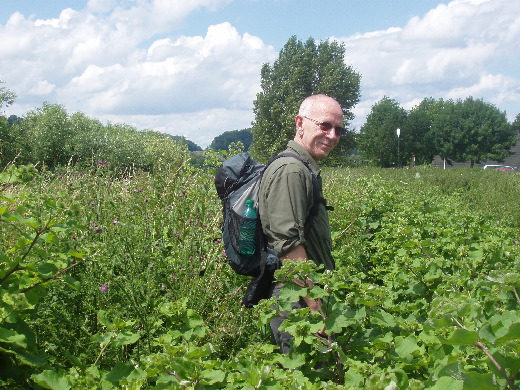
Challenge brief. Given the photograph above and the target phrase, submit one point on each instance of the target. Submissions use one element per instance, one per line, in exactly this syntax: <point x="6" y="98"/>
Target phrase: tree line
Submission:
<point x="463" y="130"/>
<point x="457" y="131"/>
<point x="50" y="137"/>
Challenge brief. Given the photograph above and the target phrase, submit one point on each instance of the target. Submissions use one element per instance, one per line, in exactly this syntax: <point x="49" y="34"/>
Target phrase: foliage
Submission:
<point x="120" y="282"/>
<point x="516" y="124"/>
<point x="380" y="127"/>
<point x="223" y="141"/>
<point x="301" y="70"/>
<point x="7" y="96"/>
<point x="192" y="146"/>
<point x="465" y="130"/>
<point x="472" y="130"/>
<point x="50" y="137"/>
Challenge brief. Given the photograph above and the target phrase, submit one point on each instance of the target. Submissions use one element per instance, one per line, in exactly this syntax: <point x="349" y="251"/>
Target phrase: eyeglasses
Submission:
<point x="326" y="126"/>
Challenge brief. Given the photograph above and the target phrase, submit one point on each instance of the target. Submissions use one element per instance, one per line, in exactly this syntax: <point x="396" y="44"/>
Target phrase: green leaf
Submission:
<point x="405" y="347"/>
<point x="12" y="337"/>
<point x="292" y="292"/>
<point x="71" y="282"/>
<point x="73" y="253"/>
<point x="119" y="372"/>
<point x="511" y="332"/>
<point x="476" y="381"/>
<point x="210" y="377"/>
<point x="461" y="337"/>
<point x="52" y="380"/>
<point x="292" y="361"/>
<point x="448" y="383"/>
<point x="125" y="338"/>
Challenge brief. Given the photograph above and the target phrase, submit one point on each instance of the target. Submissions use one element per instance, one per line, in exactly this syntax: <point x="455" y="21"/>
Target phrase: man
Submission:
<point x="286" y="197"/>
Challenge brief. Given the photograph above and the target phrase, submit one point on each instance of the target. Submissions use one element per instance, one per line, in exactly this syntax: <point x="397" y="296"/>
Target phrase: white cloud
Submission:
<point x="101" y="61"/>
<point x="115" y="59"/>
<point x="455" y="44"/>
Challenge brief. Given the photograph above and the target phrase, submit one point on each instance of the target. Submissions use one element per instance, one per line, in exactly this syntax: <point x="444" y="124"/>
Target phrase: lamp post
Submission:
<point x="398" y="134"/>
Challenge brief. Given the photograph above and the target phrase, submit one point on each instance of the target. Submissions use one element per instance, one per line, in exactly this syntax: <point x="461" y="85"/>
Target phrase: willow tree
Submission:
<point x="301" y="70"/>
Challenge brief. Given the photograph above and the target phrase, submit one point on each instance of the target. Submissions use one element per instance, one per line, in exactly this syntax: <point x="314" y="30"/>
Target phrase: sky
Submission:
<point x="192" y="67"/>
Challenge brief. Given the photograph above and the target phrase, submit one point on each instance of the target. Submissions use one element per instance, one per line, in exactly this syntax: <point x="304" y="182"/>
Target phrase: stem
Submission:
<point x="516" y="295"/>
<point x="53" y="276"/>
<point x="33" y="243"/>
<point x="498" y="366"/>
<point x="481" y="346"/>
<point x="103" y="350"/>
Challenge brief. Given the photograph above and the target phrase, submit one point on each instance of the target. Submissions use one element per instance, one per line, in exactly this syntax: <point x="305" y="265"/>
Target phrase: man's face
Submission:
<point x="319" y="143"/>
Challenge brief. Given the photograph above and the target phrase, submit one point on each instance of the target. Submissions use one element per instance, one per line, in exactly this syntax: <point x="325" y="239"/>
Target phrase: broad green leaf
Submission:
<point x="52" y="380"/>
<point x="10" y="336"/>
<point x="47" y="269"/>
<point x="476" y="381"/>
<point x="118" y="372"/>
<point x="461" y="337"/>
<point x="292" y="292"/>
<point x="125" y="338"/>
<point x="448" y="383"/>
<point x="292" y="361"/>
<point x="211" y="377"/>
<point x="511" y="332"/>
<point x="405" y="347"/>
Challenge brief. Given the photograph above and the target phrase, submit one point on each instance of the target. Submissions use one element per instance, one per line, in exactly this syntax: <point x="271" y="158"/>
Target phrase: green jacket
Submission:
<point x="285" y="200"/>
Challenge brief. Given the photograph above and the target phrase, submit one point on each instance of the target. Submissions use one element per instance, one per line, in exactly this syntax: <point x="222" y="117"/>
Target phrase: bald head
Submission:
<point x="316" y="124"/>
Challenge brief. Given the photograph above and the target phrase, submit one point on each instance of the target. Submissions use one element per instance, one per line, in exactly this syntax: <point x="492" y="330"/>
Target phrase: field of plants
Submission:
<point x="118" y="280"/>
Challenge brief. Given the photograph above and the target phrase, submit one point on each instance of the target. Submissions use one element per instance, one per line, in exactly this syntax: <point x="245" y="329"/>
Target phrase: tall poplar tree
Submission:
<point x="301" y="70"/>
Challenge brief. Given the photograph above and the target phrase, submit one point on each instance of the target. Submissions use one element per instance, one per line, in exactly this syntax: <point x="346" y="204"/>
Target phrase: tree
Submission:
<point x="222" y="141"/>
<point x="301" y="70"/>
<point x="192" y="146"/>
<point x="417" y="139"/>
<point x="516" y="124"/>
<point x="44" y="136"/>
<point x="7" y="96"/>
<point x="472" y="130"/>
<point x="378" y="136"/>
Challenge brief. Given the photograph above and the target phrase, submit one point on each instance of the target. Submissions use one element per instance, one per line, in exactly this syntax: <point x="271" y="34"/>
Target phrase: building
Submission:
<point x="513" y="160"/>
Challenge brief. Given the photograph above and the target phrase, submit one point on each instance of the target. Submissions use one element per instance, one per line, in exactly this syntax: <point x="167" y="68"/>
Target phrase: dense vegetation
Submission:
<point x="118" y="280"/>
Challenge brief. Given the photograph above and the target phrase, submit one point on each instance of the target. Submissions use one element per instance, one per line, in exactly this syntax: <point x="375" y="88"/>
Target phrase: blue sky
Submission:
<point x="192" y="68"/>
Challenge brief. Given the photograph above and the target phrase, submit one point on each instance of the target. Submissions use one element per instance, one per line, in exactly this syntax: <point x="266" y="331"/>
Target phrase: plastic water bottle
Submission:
<point x="246" y="239"/>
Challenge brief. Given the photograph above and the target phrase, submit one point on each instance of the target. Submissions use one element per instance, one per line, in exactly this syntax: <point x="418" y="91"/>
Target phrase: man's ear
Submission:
<point x="299" y="122"/>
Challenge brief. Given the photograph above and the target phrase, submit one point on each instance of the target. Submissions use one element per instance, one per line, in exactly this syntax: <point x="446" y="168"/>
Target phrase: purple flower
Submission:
<point x="92" y="203"/>
<point x="104" y="287"/>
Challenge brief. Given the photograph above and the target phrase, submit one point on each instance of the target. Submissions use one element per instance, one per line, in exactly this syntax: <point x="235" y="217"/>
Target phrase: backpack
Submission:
<point x="237" y="180"/>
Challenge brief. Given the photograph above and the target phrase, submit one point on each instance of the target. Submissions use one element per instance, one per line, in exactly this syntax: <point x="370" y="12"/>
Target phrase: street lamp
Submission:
<point x="398" y="134"/>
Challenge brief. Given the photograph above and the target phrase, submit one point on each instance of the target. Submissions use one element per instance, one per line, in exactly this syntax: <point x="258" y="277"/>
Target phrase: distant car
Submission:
<point x="504" y="169"/>
<point x="491" y="166"/>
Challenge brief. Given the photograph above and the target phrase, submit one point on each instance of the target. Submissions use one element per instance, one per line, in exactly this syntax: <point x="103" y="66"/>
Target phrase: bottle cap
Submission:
<point x="250" y="201"/>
